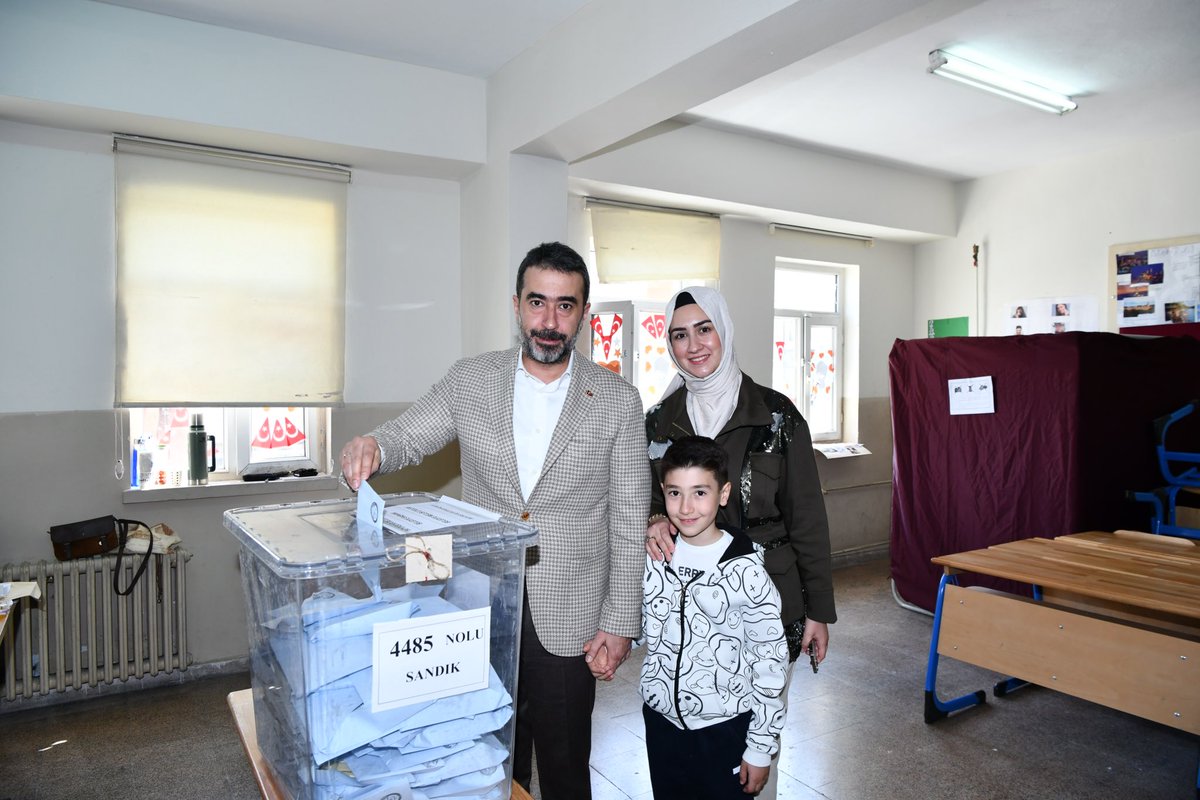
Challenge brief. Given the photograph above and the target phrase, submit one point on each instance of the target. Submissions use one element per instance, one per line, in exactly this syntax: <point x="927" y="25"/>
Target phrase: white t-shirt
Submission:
<point x="691" y="560"/>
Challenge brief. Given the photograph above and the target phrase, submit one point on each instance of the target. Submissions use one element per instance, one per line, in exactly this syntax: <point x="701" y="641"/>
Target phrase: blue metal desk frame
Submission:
<point x="936" y="709"/>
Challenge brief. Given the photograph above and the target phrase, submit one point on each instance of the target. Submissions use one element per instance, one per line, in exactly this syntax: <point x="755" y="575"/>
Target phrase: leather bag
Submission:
<point x="91" y="537"/>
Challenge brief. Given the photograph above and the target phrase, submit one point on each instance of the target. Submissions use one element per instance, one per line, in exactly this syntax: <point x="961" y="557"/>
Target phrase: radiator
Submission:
<point x="81" y="633"/>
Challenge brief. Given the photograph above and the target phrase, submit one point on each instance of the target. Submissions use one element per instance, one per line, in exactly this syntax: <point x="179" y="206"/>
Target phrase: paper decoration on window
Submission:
<point x="655" y="325"/>
<point x="278" y="430"/>
<point x="607" y="341"/>
<point x="169" y="420"/>
<point x="786" y="372"/>
<point x="656" y="369"/>
<point x="820" y="371"/>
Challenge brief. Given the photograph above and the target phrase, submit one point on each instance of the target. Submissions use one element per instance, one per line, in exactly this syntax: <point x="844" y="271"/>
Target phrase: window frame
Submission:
<point x="316" y="420"/>
<point x="234" y="436"/>
<point x="148" y="233"/>
<point x="808" y="319"/>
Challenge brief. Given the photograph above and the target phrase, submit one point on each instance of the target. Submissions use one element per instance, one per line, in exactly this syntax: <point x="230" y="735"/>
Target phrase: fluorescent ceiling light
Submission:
<point x="968" y="72"/>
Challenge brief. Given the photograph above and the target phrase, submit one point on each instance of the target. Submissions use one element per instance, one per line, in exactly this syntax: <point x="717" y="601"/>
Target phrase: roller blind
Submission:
<point x="230" y="278"/>
<point x="636" y="244"/>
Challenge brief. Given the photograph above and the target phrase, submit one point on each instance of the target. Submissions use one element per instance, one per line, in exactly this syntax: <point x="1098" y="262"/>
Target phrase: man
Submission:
<point x="559" y="442"/>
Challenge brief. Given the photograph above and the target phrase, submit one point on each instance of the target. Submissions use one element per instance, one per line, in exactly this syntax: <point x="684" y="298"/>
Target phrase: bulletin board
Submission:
<point x="1156" y="287"/>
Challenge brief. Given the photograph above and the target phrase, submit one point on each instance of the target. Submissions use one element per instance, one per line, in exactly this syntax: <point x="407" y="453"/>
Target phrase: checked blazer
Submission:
<point x="589" y="505"/>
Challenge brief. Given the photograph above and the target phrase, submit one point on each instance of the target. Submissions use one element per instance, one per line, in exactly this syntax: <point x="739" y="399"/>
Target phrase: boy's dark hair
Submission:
<point x="696" y="451"/>
<point x="558" y="257"/>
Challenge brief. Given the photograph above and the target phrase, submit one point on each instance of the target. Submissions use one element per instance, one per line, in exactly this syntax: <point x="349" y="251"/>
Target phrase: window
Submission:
<point x="245" y="441"/>
<point x="629" y="296"/>
<point x="809" y="307"/>
<point x="640" y="243"/>
<point x="230" y="303"/>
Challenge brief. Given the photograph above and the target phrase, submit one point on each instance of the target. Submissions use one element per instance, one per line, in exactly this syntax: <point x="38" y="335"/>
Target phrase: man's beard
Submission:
<point x="549" y="355"/>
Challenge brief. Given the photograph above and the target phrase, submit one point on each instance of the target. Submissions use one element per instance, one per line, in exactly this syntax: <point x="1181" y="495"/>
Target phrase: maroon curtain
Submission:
<point x="1072" y="433"/>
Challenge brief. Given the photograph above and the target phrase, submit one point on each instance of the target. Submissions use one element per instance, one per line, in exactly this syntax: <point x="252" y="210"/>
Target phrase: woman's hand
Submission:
<point x="817" y="634"/>
<point x="659" y="544"/>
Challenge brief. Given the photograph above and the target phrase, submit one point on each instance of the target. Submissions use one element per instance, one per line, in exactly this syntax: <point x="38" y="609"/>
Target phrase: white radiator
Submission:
<point x="83" y="634"/>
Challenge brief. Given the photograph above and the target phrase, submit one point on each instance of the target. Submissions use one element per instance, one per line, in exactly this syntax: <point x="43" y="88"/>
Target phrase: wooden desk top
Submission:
<point x="1161" y="573"/>
<point x="241" y="703"/>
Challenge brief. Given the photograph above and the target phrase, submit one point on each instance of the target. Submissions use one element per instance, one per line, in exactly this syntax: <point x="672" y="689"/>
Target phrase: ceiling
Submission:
<point x="1133" y="67"/>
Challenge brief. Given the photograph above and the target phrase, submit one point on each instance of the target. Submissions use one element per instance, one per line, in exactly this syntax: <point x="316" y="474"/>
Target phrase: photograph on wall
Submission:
<point x="1127" y="261"/>
<point x="1157" y="285"/>
<point x="1051" y="315"/>
<point x="1179" y="312"/>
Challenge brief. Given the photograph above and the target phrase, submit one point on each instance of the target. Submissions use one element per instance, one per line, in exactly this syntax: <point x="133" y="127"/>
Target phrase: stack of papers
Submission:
<point x="440" y="748"/>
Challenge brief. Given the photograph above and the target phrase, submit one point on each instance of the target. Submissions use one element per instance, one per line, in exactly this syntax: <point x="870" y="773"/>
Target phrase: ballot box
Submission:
<point x="384" y="661"/>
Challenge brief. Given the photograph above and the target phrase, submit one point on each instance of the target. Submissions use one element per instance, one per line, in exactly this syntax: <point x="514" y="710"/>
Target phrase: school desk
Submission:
<point x="1115" y="619"/>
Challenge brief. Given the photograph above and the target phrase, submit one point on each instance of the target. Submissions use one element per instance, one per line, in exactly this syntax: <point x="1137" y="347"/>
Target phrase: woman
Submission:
<point x="777" y="495"/>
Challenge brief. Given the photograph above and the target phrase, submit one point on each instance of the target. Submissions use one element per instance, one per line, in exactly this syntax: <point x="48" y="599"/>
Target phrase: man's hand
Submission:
<point x="604" y="653"/>
<point x="360" y="460"/>
<point x="659" y="544"/>
<point x="753" y="778"/>
<point x="597" y="661"/>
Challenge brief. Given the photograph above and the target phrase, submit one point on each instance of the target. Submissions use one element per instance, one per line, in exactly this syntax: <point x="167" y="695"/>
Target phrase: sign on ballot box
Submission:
<point x="427" y="658"/>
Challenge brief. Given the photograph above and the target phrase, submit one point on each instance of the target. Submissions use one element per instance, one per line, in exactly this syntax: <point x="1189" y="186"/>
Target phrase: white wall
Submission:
<point x="828" y="191"/>
<point x="156" y="75"/>
<point x="57" y="277"/>
<point x="1047" y="231"/>
<point x="57" y="281"/>
<point x="403" y="286"/>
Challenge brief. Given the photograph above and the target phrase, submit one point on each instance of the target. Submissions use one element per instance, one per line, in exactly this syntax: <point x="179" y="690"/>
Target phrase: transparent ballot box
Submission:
<point x="384" y="664"/>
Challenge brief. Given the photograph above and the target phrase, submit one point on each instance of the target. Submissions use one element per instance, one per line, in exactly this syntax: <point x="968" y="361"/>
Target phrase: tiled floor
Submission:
<point x="855" y="732"/>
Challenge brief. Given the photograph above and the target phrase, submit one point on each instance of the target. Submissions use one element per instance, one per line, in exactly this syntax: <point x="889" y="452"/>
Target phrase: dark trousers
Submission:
<point x="555" y="697"/>
<point x="700" y="764"/>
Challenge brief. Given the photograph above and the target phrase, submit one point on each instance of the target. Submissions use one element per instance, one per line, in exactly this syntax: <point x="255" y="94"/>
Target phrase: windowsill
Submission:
<point x="231" y="489"/>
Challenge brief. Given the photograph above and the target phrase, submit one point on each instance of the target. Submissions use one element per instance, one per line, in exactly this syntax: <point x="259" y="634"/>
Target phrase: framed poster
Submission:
<point x="1156" y="284"/>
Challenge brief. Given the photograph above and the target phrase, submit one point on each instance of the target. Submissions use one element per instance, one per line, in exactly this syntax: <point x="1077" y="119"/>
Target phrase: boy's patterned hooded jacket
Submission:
<point x="716" y="647"/>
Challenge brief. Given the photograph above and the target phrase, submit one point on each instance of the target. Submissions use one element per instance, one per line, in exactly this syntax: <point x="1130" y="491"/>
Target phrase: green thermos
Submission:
<point x="201" y="460"/>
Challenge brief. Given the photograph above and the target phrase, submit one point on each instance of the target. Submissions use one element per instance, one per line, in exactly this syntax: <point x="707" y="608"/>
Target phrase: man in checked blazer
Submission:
<point x="557" y="441"/>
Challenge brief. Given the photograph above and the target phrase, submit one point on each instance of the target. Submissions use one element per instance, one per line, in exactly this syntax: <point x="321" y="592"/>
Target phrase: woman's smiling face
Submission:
<point x="694" y="341"/>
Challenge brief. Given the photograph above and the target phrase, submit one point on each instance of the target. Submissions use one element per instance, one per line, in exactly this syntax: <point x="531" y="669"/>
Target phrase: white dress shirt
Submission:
<point x="536" y="408"/>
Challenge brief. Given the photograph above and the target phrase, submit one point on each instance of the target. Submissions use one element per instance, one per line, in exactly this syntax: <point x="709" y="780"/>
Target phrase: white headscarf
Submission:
<point x="710" y="400"/>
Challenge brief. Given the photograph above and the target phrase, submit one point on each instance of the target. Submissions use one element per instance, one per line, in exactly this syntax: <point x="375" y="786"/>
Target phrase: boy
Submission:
<point x="716" y="661"/>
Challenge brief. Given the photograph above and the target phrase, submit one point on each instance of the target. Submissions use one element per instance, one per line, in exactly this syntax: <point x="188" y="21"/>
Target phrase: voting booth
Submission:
<point x="383" y="651"/>
<point x="1070" y="432"/>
